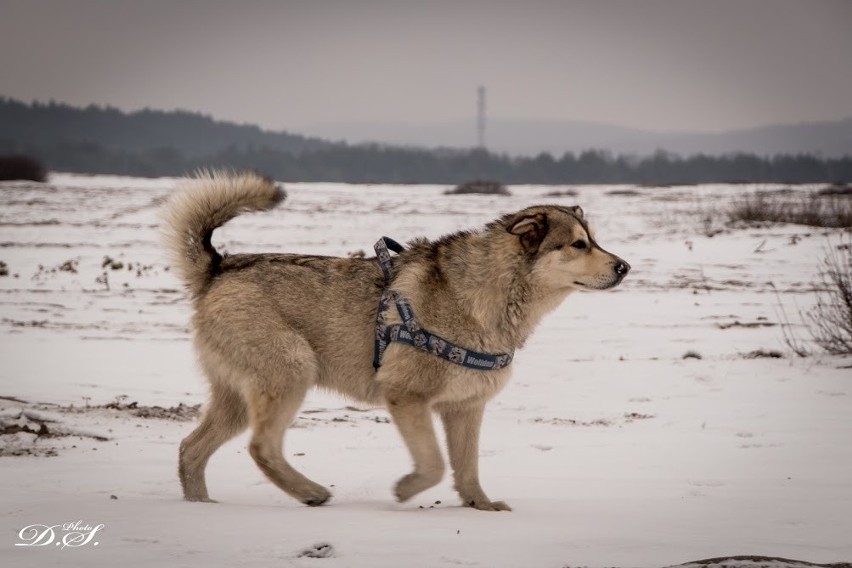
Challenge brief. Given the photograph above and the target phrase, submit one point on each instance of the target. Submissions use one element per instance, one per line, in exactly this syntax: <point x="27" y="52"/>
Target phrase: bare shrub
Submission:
<point x="479" y="186"/>
<point x="19" y="167"/>
<point x="828" y="210"/>
<point x="830" y="320"/>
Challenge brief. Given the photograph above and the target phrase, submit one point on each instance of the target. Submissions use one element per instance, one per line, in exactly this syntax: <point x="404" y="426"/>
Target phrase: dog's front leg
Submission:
<point x="462" y="425"/>
<point x="414" y="421"/>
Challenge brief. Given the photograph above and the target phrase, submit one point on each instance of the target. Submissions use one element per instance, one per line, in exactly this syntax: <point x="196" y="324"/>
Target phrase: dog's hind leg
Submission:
<point x="270" y="418"/>
<point x="462" y="424"/>
<point x="224" y="418"/>
<point x="414" y="421"/>
<point x="273" y="403"/>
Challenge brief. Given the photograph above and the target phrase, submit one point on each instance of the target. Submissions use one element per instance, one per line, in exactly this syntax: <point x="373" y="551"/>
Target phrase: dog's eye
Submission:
<point x="580" y="245"/>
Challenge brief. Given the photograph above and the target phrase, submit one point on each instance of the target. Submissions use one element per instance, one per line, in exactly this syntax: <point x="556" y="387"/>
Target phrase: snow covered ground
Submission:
<point x="612" y="448"/>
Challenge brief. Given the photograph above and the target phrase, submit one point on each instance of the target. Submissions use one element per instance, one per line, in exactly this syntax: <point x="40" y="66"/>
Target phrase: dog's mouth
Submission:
<point x="582" y="286"/>
<point x="606" y="286"/>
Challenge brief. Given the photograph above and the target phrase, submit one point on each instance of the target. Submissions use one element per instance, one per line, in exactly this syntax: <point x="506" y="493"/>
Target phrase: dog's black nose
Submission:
<point x="622" y="268"/>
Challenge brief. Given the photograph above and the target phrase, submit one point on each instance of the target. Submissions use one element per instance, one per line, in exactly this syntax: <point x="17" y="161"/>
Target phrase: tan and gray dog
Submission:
<point x="268" y="327"/>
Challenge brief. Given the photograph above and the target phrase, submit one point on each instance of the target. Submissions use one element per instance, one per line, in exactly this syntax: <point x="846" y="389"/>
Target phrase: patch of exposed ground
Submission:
<point x="41" y="429"/>
<point x="627" y="418"/>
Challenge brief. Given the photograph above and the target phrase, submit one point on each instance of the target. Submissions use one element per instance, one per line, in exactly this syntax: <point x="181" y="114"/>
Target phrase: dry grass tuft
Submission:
<point x="479" y="186"/>
<point x="564" y="193"/>
<point x="829" y="210"/>
<point x="836" y="189"/>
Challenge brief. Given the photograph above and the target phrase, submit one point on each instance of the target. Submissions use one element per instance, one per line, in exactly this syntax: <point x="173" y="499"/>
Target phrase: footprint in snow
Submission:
<point x="321" y="550"/>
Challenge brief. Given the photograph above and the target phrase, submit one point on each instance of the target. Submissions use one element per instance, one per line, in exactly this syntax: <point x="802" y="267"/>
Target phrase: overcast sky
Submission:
<point x="652" y="64"/>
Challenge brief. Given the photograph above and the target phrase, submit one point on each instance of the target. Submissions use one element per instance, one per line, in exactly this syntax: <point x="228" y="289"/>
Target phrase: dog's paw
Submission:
<point x="407" y="487"/>
<point x="414" y="483"/>
<point x="199" y="499"/>
<point x="485" y="505"/>
<point x="316" y="497"/>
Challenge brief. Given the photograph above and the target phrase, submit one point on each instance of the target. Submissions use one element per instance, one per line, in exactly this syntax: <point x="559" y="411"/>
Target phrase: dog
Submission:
<point x="269" y="327"/>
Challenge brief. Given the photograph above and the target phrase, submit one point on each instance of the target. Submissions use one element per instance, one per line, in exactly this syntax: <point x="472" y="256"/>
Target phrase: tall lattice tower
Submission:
<point x="480" y="117"/>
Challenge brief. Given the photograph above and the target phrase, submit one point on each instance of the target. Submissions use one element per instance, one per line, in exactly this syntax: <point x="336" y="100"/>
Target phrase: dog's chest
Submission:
<point x="468" y="384"/>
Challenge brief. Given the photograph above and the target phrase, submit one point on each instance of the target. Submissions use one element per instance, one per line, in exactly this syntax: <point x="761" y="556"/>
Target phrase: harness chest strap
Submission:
<point x="410" y="332"/>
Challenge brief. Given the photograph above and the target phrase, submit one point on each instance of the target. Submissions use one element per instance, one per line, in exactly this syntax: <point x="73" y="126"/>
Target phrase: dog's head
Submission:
<point x="563" y="249"/>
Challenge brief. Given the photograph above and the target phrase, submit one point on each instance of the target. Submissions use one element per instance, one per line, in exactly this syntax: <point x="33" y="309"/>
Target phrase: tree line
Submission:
<point x="154" y="143"/>
<point x="382" y="164"/>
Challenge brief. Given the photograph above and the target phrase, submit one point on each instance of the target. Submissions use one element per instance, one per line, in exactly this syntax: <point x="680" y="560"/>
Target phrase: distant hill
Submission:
<point x="531" y="137"/>
<point x="191" y="134"/>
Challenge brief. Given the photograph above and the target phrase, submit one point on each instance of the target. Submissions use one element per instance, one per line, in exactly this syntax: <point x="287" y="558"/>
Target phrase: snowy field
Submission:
<point x="611" y="447"/>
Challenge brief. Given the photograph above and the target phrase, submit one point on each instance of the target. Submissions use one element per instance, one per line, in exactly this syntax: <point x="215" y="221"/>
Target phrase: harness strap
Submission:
<point x="410" y="332"/>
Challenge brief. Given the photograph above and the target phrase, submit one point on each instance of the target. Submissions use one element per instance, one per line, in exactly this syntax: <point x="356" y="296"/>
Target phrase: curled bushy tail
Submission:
<point x="200" y="205"/>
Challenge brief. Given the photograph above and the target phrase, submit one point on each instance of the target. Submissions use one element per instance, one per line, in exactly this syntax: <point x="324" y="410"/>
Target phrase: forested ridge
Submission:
<point x="156" y="143"/>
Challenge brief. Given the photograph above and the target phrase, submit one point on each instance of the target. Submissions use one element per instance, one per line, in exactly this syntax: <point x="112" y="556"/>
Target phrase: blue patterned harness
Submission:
<point x="410" y="332"/>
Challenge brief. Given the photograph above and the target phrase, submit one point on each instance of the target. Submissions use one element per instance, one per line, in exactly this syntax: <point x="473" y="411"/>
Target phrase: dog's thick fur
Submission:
<point x="268" y="327"/>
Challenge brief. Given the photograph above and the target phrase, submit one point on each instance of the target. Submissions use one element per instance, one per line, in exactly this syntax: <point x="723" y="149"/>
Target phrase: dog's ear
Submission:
<point x="578" y="211"/>
<point x="531" y="229"/>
